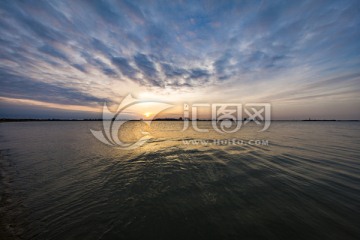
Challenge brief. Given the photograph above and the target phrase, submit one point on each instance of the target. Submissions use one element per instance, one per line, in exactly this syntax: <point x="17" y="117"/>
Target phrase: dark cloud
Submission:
<point x="222" y="65"/>
<point x="148" y="68"/>
<point x="30" y="22"/>
<point x="273" y="34"/>
<point x="13" y="86"/>
<point x="199" y="73"/>
<point x="80" y="67"/>
<point x="181" y="77"/>
<point x="174" y="45"/>
<point x="259" y="60"/>
<point x="47" y="49"/>
<point x="145" y="65"/>
<point x="109" y="72"/>
<point x="105" y="11"/>
<point x="102" y="47"/>
<point x="42" y="30"/>
<point x="124" y="66"/>
<point x="97" y="63"/>
<point x="171" y="71"/>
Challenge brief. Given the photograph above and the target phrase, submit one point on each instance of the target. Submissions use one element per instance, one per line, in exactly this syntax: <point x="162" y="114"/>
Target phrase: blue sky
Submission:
<point x="66" y="58"/>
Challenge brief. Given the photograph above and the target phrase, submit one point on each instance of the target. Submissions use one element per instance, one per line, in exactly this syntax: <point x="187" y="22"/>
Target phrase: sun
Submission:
<point x="147" y="114"/>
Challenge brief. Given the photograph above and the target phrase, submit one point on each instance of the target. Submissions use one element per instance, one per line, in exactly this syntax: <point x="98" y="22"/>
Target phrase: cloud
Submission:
<point x="148" y="68"/>
<point x="13" y="86"/>
<point x="145" y="65"/>
<point x="199" y="73"/>
<point x="80" y="67"/>
<point x="181" y="77"/>
<point x="97" y="63"/>
<point x="102" y="47"/>
<point x="47" y="49"/>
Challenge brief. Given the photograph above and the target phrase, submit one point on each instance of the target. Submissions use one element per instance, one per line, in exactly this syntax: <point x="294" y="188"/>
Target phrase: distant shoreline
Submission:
<point x="168" y="120"/>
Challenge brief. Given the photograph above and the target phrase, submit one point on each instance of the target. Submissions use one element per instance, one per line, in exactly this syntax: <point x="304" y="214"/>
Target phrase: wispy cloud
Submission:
<point x="86" y="52"/>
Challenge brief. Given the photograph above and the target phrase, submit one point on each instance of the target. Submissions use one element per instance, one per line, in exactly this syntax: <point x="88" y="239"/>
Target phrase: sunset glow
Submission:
<point x="147" y="114"/>
<point x="169" y="52"/>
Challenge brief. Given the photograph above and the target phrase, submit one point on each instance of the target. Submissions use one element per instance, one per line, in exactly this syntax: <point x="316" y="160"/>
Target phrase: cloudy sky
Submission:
<point x="64" y="59"/>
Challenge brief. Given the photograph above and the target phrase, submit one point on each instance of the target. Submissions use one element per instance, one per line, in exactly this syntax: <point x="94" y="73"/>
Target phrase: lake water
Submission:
<point x="301" y="181"/>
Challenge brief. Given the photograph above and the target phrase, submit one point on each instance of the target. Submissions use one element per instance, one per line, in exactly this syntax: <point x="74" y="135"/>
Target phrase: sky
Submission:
<point x="65" y="59"/>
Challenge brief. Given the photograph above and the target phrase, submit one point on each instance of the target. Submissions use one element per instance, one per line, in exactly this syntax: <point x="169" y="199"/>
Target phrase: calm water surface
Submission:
<point x="59" y="182"/>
